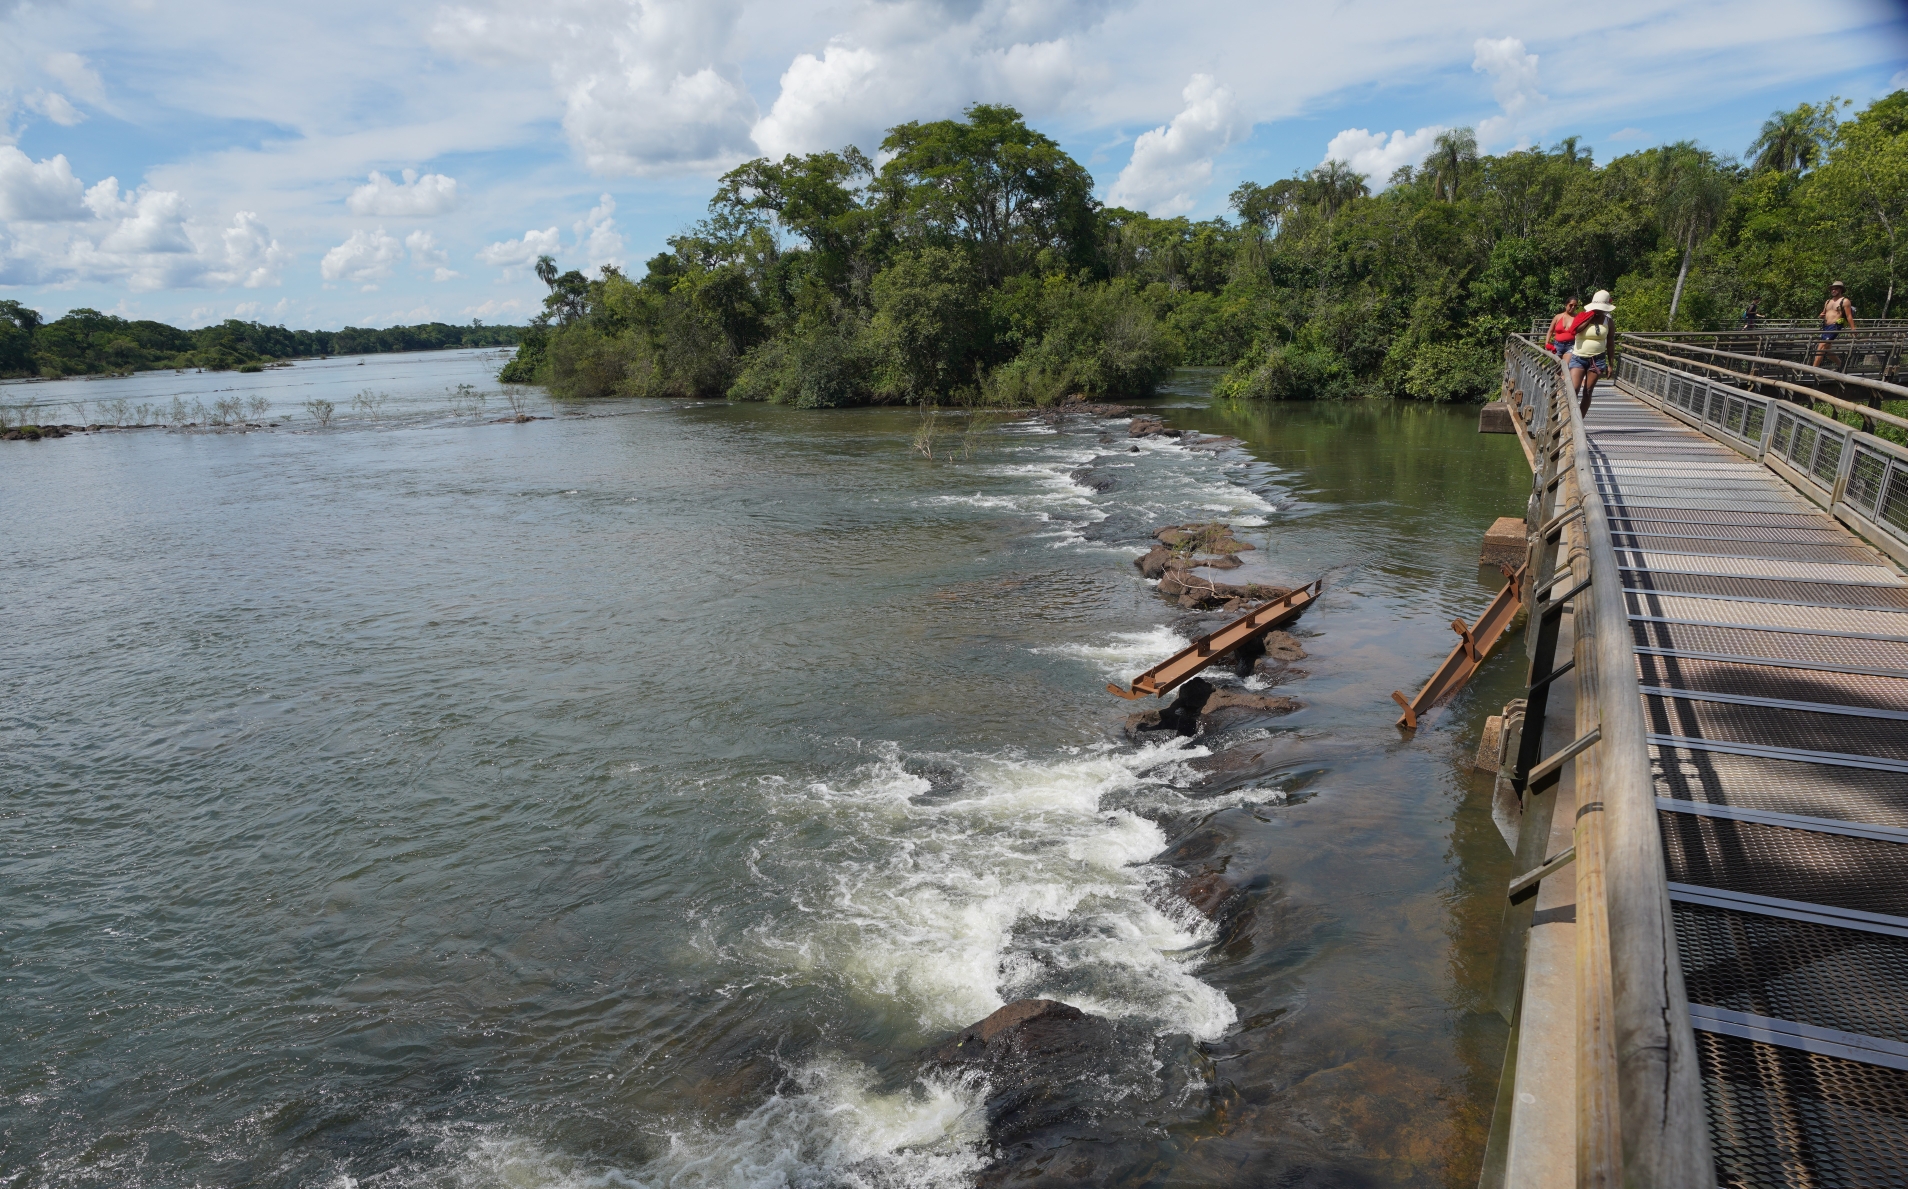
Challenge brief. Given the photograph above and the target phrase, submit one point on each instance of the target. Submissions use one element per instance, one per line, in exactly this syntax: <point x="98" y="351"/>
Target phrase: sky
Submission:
<point x="373" y="164"/>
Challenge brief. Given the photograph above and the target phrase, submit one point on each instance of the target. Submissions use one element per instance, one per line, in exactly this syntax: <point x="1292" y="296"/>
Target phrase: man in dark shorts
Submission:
<point x="1837" y="315"/>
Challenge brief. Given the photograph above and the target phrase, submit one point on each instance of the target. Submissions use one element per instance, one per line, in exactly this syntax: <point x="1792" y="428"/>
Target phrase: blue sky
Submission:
<point x="372" y="164"/>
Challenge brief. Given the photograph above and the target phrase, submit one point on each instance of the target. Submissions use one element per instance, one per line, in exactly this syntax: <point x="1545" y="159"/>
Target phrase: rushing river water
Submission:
<point x="625" y="798"/>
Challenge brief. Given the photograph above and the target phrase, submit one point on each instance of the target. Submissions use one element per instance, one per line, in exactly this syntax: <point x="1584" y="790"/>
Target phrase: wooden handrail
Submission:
<point x="1837" y="402"/>
<point x="1664" y="1127"/>
<point x="1894" y="390"/>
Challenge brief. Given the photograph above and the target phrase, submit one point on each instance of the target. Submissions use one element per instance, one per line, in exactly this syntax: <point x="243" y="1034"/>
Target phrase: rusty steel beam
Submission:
<point x="1475" y="642"/>
<point x="1182" y="665"/>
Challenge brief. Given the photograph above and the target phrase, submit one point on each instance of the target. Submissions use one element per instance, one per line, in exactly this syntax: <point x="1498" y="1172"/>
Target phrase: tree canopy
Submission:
<point x="974" y="265"/>
<point x="86" y="342"/>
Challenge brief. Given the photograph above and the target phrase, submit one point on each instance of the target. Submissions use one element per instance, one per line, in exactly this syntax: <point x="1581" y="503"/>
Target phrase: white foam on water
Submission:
<point x="833" y="1128"/>
<point x="1017" y="883"/>
<point x="1123" y="655"/>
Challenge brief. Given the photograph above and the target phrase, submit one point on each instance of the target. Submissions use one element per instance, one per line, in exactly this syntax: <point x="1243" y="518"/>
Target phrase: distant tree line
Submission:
<point x="975" y="266"/>
<point x="87" y="342"/>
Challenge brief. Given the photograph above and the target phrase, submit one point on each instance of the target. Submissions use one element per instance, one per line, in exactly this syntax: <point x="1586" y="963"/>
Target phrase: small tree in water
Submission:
<point x="321" y="411"/>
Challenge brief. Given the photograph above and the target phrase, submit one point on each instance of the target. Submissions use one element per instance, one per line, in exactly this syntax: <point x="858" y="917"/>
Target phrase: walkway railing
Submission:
<point x="1636" y="1045"/>
<point x="1859" y="477"/>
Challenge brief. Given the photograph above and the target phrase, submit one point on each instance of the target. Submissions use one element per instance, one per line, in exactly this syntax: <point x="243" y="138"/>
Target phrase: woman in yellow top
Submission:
<point x="1590" y="348"/>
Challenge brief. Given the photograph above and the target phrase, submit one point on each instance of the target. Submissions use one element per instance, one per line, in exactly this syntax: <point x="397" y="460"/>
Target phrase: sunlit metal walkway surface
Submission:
<point x="1772" y="659"/>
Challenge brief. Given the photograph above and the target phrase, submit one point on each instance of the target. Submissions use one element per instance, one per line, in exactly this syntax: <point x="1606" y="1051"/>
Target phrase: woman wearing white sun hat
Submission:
<point x="1590" y="349"/>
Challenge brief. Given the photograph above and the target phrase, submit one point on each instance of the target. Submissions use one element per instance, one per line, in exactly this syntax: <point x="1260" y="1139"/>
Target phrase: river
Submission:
<point x="624" y="798"/>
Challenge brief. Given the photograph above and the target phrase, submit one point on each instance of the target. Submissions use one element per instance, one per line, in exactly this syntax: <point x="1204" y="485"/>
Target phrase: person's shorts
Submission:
<point x="1595" y="363"/>
<point x="1829" y="333"/>
<point x="1561" y="346"/>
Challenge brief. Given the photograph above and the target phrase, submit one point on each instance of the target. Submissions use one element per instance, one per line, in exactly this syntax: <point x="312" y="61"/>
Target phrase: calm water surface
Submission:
<point x="624" y="798"/>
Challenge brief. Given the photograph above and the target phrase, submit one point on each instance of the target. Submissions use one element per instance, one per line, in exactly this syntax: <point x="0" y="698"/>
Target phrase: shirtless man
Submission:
<point x="1837" y="315"/>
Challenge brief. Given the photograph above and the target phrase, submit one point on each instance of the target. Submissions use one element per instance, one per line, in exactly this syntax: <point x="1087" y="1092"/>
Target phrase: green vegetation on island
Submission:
<point x="975" y="267"/>
<point x="86" y="342"/>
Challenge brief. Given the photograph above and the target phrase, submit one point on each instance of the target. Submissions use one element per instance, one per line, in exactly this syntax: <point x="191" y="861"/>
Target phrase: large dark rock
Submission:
<point x="1181" y="718"/>
<point x="1097" y="480"/>
<point x="1155" y="561"/>
<point x="1033" y="1053"/>
<point x="1145" y="427"/>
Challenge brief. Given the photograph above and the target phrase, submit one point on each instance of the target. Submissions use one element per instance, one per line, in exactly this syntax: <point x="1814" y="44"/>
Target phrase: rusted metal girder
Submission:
<point x="1475" y="642"/>
<point x="1175" y="670"/>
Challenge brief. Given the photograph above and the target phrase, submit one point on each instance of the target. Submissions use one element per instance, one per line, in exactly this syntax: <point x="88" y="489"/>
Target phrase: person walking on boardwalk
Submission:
<point x="1837" y="315"/>
<point x="1590" y="348"/>
<point x="1560" y="333"/>
<point x="1752" y="315"/>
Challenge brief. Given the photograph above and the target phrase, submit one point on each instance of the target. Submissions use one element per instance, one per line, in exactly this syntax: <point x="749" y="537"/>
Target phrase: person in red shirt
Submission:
<point x="1561" y="334"/>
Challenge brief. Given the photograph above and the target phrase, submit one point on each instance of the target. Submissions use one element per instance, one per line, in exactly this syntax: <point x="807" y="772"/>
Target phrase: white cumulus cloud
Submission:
<point x="597" y="238"/>
<point x="425" y="253"/>
<point x="424" y="250"/>
<point x="923" y="59"/>
<point x="366" y="258"/>
<point x="1171" y="164"/>
<point x="1378" y="156"/>
<point x="512" y="254"/>
<point x="39" y="191"/>
<point x="432" y="194"/>
<point x="54" y="232"/>
<point x="1513" y="71"/>
<point x="648" y="85"/>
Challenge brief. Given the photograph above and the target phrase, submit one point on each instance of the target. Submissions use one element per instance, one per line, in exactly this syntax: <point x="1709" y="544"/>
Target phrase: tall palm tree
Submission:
<point x="1335" y="184"/>
<point x="1452" y="155"/>
<point x="1691" y="189"/>
<point x="547" y="270"/>
<point x="1792" y="141"/>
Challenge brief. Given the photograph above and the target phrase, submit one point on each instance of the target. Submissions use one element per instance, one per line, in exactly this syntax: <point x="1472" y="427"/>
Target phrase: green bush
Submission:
<point x="1290" y="372"/>
<point x="579" y="363"/>
<point x="823" y="367"/>
<point x="1453" y="372"/>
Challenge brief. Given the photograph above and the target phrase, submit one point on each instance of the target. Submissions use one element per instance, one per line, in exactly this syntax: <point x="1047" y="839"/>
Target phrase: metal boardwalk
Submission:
<point x="1771" y="649"/>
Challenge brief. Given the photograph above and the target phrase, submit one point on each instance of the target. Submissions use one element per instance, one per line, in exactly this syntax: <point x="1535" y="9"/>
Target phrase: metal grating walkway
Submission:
<point x="1772" y="648"/>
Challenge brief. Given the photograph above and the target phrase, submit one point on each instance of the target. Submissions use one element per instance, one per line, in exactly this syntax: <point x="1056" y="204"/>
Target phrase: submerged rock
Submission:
<point x="1282" y="647"/>
<point x="1216" y="897"/>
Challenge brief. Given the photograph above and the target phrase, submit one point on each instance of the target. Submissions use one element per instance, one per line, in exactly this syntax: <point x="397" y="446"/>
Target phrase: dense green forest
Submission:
<point x="975" y="266"/>
<point x="87" y="342"/>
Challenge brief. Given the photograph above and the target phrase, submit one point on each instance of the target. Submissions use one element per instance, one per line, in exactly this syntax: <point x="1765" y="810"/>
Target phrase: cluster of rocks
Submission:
<point x="33" y="433"/>
<point x="1185" y="548"/>
<point x="1145" y="425"/>
<point x="1041" y="1059"/>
